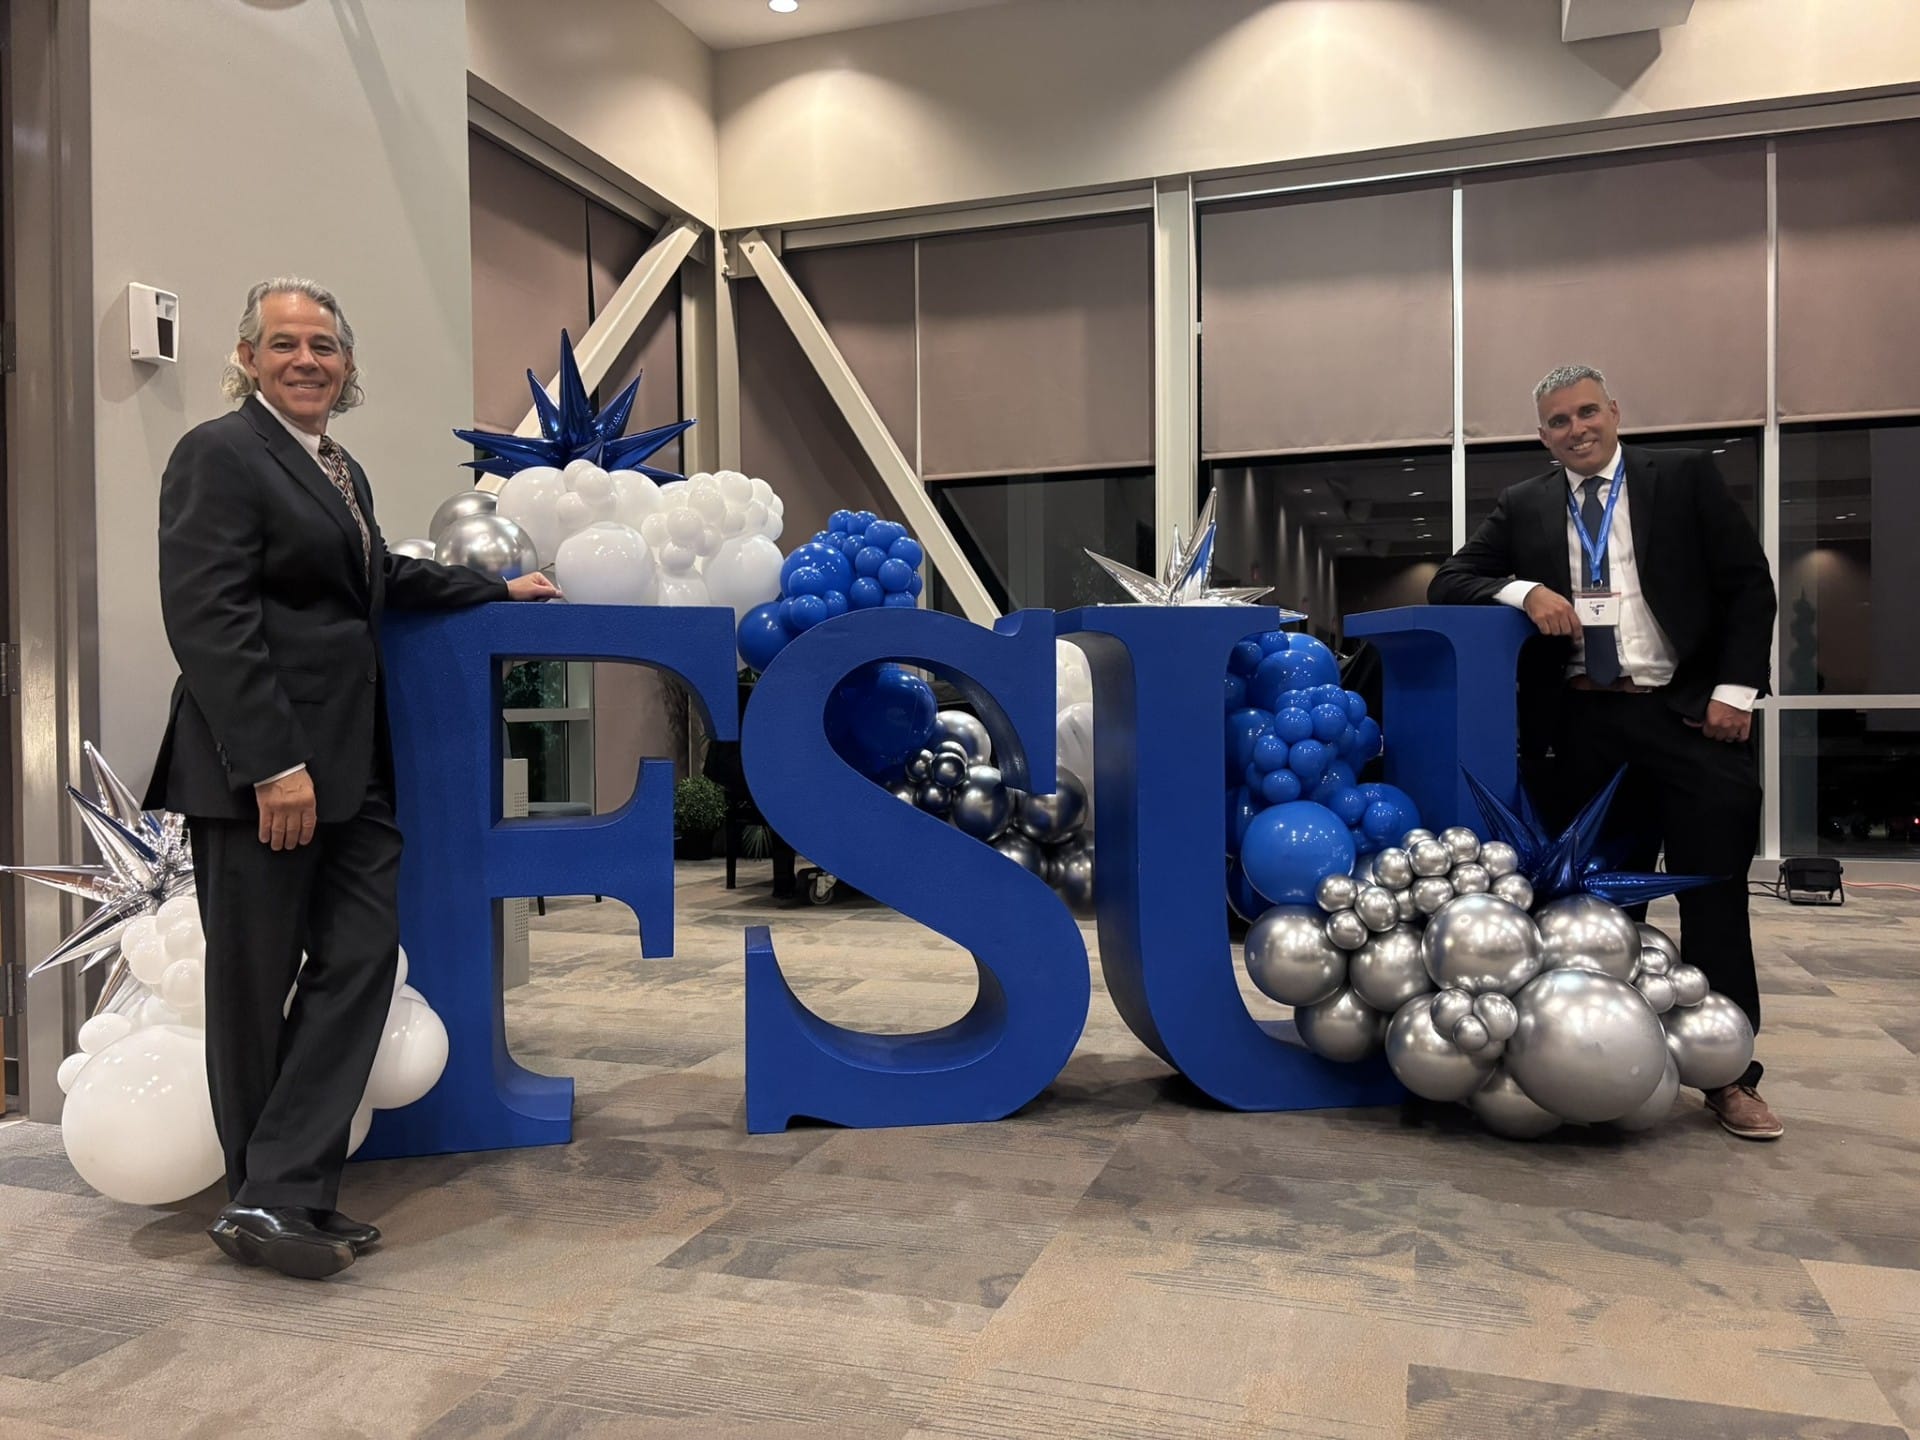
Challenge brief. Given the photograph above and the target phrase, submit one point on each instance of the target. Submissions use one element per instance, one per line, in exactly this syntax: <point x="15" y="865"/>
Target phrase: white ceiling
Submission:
<point x="731" y="24"/>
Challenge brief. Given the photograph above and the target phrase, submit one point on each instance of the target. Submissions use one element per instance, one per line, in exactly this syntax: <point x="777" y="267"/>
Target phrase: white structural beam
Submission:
<point x="595" y="351"/>
<point x="1176" y="364"/>
<point x="1590" y="19"/>
<point x="922" y="517"/>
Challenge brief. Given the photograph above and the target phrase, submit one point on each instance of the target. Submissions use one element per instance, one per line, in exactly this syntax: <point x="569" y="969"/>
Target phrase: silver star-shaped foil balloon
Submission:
<point x="146" y="862"/>
<point x="1189" y="574"/>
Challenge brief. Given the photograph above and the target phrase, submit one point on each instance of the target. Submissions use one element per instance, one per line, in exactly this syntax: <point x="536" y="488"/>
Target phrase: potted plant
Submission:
<point x="699" y="810"/>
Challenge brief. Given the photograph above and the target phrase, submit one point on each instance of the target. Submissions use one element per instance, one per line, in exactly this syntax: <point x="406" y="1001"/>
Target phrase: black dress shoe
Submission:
<point x="282" y="1238"/>
<point x="357" y="1233"/>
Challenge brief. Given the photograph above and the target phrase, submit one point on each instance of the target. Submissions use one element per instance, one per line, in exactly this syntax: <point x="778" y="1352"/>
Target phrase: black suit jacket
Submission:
<point x="275" y="622"/>
<point x="1701" y="568"/>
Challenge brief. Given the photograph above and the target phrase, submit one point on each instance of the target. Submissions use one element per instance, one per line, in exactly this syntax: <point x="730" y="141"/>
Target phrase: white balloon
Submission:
<point x="653" y="530"/>
<point x="710" y="540"/>
<point x="755" y="517"/>
<point x="184" y="943"/>
<point x="179" y="915"/>
<point x="572" y="514"/>
<point x="733" y="522"/>
<point x="762" y="491"/>
<point x="155" y="1011"/>
<point x="606" y="564"/>
<point x="138" y="1123"/>
<point x="69" y="1071"/>
<point x="635" y="496"/>
<point x="743" y="573"/>
<point x="708" y="504"/>
<point x="357" y="1132"/>
<point x="683" y="589"/>
<point x="184" y="985"/>
<point x="575" y="469"/>
<point x="530" y="498"/>
<point x="1073" y="680"/>
<point x="677" y="559"/>
<point x="592" y="483"/>
<point x="100" y="1033"/>
<point x="400" y="972"/>
<point x="736" y="488"/>
<point x="145" y="949"/>
<point x="684" y="525"/>
<point x="412" y="1053"/>
<point x="411" y="994"/>
<point x="1073" y="735"/>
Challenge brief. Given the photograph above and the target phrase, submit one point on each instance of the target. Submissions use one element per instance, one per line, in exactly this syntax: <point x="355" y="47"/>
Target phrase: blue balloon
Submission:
<point x="1243" y="728"/>
<point x="1366" y="741"/>
<point x="803" y="612"/>
<point x="908" y="549"/>
<point x="1273" y="640"/>
<point x="1270" y="752"/>
<point x="868" y="559"/>
<point x="1277" y="787"/>
<point x="808" y="580"/>
<point x="1236" y="693"/>
<point x="761" y="635"/>
<point x="851" y="545"/>
<point x="1276" y="679"/>
<point x="884" y="532"/>
<point x="836" y="602"/>
<point x="1308" y="760"/>
<point x="1340" y="771"/>
<point x="880" y="715"/>
<point x="1293" y="725"/>
<point x="1329" y="721"/>
<point x="1245" y="659"/>
<point x="1356" y="706"/>
<point x="915" y="586"/>
<point x="860" y="521"/>
<point x="1289" y="849"/>
<point x="1317" y="664"/>
<point x="900" y="600"/>
<point x="1350" y="805"/>
<point x="1390" y="812"/>
<point x="822" y="554"/>
<point x="865" y="593"/>
<point x="837" y="522"/>
<point x="894" y="575"/>
<point x="1247" y="902"/>
<point x="1241" y="808"/>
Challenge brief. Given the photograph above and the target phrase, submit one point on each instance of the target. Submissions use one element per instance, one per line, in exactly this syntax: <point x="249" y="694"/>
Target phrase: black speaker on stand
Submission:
<point x="1811" y="881"/>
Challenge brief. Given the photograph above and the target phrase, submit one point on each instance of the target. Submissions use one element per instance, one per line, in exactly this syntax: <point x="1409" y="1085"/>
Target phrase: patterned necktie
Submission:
<point x="333" y="460"/>
<point x="1603" y="645"/>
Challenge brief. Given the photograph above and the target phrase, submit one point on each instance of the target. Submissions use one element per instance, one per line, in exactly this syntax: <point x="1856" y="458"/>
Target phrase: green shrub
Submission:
<point x="699" y="806"/>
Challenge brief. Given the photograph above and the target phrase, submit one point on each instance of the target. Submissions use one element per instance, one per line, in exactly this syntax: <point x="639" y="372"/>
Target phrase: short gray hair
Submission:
<point x="236" y="384"/>
<point x="1561" y="376"/>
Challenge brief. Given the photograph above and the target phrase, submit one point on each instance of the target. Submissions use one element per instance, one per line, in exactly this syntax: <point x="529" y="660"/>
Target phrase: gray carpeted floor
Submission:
<point x="1120" y="1260"/>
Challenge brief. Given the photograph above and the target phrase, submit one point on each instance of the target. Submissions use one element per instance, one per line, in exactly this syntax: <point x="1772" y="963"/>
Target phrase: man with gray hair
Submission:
<point x="273" y="580"/>
<point x="1655" y="595"/>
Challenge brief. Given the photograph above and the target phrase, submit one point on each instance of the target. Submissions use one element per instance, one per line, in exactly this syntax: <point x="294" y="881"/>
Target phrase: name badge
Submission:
<point x="1598" y="607"/>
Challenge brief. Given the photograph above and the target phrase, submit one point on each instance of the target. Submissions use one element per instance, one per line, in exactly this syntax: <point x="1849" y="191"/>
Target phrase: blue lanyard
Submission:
<point x="1597" y="548"/>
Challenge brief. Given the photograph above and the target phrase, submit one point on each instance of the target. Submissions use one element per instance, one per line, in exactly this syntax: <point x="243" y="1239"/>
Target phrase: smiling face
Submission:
<point x="1580" y="426"/>
<point x="299" y="365"/>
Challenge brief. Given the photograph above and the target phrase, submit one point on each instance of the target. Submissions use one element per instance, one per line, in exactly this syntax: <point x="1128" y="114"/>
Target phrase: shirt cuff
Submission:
<point x="298" y="768"/>
<point x="1740" y="697"/>
<point x="1515" y="593"/>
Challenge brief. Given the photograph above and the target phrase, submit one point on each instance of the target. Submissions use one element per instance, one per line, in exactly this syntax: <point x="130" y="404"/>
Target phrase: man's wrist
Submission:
<point x="1515" y="593"/>
<point x="1740" y="697"/>
<point x="283" y="775"/>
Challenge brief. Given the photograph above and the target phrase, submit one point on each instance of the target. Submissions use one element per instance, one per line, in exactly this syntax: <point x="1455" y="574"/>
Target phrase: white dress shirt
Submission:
<point x="1646" y="654"/>
<point x="311" y="444"/>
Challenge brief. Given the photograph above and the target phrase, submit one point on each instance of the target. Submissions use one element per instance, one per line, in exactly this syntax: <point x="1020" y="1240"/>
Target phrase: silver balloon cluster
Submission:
<point x="1574" y="1013"/>
<point x="955" y="778"/>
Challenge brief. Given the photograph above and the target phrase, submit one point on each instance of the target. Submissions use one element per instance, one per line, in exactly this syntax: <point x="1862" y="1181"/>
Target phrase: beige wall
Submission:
<point x="310" y="138"/>
<point x="622" y="78"/>
<point x="1060" y="94"/>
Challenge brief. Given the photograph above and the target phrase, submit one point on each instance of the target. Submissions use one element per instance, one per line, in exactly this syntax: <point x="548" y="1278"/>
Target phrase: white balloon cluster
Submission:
<point x="1572" y="1013"/>
<point x="617" y="538"/>
<point x="138" y="1120"/>
<point x="1073" y="714"/>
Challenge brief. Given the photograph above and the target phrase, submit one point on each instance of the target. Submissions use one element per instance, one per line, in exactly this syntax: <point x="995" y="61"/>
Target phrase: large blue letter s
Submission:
<point x="1032" y="963"/>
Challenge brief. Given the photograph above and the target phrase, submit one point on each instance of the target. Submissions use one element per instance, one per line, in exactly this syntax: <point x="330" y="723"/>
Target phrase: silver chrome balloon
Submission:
<point x="1497" y="1013"/>
<point x="1655" y="962"/>
<point x="1499" y="857"/>
<point x="1376" y="908"/>
<point x="1414" y="836"/>
<point x="458" y="507"/>
<point x="1461" y="842"/>
<point x="1393" y="868"/>
<point x="1053" y="818"/>
<point x="1342" y="1027"/>
<point x="1450" y="1007"/>
<point x="920" y="766"/>
<point x="1652" y="937"/>
<point x="1505" y="1109"/>
<point x="1023" y="852"/>
<point x="490" y="544"/>
<point x="414" y="549"/>
<point x="1071" y="869"/>
<point x="934" y="799"/>
<point x="1387" y="971"/>
<point x="1425" y="1061"/>
<point x="907" y="792"/>
<point x="1336" y="892"/>
<point x="1403" y="905"/>
<point x="1363" y="872"/>
<point x="1347" y="930"/>
<point x="949" y="769"/>
<point x="982" y="810"/>
<point x="1657" y="991"/>
<point x="1290" y="958"/>
<point x="1431" y="893"/>
<point x="1588" y="933"/>
<point x="1657" y="1106"/>
<point x="1712" y="1042"/>
<point x="1471" y="1035"/>
<point x="967" y="729"/>
<point x="1470" y="879"/>
<point x="1585" y="1047"/>
<point x="1480" y="942"/>
<point x="1689" y="984"/>
<point x="1515" y="890"/>
<point x="1430" y="857"/>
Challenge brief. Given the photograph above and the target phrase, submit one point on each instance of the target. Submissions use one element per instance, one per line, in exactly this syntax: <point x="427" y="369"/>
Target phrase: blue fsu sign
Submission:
<point x="1165" y="954"/>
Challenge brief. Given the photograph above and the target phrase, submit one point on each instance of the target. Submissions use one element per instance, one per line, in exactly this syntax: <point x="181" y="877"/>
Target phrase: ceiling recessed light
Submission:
<point x="783" y="7"/>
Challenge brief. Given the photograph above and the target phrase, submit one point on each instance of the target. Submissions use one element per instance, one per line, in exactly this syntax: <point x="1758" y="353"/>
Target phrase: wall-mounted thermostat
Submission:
<point x="153" y="324"/>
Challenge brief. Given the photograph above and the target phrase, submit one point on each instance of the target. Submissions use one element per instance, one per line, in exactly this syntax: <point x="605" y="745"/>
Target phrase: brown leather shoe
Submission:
<point x="1742" y="1112"/>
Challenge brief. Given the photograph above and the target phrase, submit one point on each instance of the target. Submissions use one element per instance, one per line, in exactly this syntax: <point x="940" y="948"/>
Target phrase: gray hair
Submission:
<point x="236" y="384"/>
<point x="1561" y="376"/>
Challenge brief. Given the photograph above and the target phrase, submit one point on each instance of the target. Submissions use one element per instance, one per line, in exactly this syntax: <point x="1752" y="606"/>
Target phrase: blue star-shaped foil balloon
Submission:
<point x="571" y="431"/>
<point x="1573" y="863"/>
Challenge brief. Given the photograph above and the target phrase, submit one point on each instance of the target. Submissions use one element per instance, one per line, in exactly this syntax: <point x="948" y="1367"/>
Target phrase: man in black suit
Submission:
<point x="1656" y="595"/>
<point x="273" y="579"/>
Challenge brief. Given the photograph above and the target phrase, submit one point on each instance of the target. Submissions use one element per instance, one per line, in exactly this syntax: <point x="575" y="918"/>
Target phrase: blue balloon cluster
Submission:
<point x="859" y="562"/>
<point x="1296" y="742"/>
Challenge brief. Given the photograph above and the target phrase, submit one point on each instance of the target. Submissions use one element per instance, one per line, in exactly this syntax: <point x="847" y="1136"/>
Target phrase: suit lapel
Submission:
<point x="1643" y="494"/>
<point x="1550" y="515"/>
<point x="294" y="459"/>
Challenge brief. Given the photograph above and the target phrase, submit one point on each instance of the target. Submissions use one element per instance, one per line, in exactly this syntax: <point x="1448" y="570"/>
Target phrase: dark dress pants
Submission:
<point x="1696" y="799"/>
<point x="284" y="1090"/>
